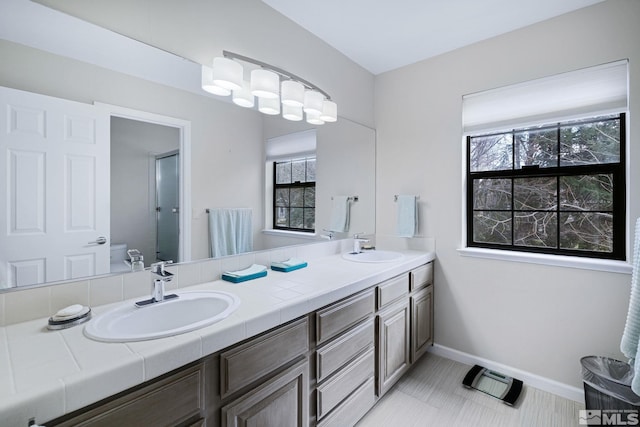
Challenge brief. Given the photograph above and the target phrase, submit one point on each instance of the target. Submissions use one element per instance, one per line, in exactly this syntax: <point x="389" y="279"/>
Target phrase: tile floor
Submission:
<point x="431" y="394"/>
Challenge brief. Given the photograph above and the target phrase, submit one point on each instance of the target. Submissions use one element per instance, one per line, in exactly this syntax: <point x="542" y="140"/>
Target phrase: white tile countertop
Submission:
<point x="45" y="374"/>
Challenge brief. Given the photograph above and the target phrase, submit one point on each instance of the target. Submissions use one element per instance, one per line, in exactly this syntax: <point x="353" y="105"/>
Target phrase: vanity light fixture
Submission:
<point x="209" y="86"/>
<point x="292" y="93"/>
<point x="270" y="106"/>
<point x="243" y="96"/>
<point x="227" y="73"/>
<point x="292" y="113"/>
<point x="314" y="118"/>
<point x="277" y="90"/>
<point x="329" y="111"/>
<point x="313" y="102"/>
<point x="265" y="84"/>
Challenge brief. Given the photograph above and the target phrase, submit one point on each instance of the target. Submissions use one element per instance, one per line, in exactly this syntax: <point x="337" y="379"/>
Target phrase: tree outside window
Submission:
<point x="295" y="195"/>
<point x="556" y="189"/>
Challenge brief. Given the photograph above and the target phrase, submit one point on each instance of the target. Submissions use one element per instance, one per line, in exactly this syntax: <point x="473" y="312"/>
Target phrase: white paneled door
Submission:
<point x="54" y="192"/>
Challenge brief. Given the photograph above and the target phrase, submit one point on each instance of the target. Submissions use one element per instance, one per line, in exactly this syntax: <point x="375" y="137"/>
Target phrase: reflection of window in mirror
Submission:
<point x="294" y="195"/>
<point x="290" y="182"/>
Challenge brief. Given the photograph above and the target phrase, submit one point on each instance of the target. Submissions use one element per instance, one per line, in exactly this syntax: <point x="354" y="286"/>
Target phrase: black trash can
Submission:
<point x="607" y="387"/>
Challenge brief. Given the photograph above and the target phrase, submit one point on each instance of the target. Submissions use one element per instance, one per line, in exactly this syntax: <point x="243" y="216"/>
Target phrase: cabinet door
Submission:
<point x="421" y="322"/>
<point x="393" y="345"/>
<point x="281" y="402"/>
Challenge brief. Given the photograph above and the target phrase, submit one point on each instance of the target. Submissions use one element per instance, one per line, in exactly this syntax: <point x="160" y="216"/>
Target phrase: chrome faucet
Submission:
<point x="160" y="276"/>
<point x="356" y="243"/>
<point x="136" y="260"/>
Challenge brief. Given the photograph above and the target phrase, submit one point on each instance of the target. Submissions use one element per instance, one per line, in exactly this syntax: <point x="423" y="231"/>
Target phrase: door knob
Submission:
<point x="99" y="241"/>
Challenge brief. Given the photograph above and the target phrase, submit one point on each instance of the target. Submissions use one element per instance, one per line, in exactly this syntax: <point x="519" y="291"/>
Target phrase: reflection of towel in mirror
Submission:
<point x="340" y="214"/>
<point x="407" y="216"/>
<point x="631" y="336"/>
<point x="230" y="231"/>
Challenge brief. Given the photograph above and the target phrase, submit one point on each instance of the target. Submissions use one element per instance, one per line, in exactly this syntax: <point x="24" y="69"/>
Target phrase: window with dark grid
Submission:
<point x="557" y="189"/>
<point x="294" y="195"/>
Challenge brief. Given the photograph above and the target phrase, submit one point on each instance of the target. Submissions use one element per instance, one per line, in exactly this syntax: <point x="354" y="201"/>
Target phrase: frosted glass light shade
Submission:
<point x="292" y="113"/>
<point x="209" y="86"/>
<point x="243" y="96"/>
<point x="329" y="111"/>
<point x="292" y="93"/>
<point x="314" y="119"/>
<point x="265" y="84"/>
<point x="313" y="102"/>
<point x="269" y="106"/>
<point x="227" y="73"/>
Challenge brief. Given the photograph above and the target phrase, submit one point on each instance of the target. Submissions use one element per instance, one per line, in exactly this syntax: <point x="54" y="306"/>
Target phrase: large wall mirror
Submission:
<point x="172" y="136"/>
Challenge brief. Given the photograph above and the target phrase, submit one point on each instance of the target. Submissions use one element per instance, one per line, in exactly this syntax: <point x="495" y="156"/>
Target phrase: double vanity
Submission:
<point x="315" y="346"/>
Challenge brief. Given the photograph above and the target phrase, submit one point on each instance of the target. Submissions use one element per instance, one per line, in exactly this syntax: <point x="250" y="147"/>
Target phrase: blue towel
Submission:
<point x="407" y="216"/>
<point x="291" y="262"/>
<point x="249" y="271"/>
<point x="289" y="265"/>
<point x="340" y="214"/>
<point x="230" y="231"/>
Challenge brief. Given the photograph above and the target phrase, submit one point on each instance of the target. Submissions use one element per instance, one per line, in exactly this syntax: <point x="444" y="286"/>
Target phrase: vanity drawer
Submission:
<point x="331" y="393"/>
<point x="253" y="360"/>
<point x="341" y="316"/>
<point x="176" y="399"/>
<point x="392" y="290"/>
<point x="421" y="277"/>
<point x="337" y="353"/>
<point x="353" y="408"/>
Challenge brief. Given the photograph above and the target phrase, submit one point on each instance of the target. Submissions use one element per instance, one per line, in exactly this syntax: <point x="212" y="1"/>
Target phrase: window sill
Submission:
<point x="288" y="233"/>
<point x="554" y="260"/>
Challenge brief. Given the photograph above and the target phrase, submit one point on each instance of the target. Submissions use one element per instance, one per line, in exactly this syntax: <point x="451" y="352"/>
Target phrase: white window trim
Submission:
<point x="290" y="233"/>
<point x="596" y="264"/>
<point x="614" y="78"/>
<point x="297" y="145"/>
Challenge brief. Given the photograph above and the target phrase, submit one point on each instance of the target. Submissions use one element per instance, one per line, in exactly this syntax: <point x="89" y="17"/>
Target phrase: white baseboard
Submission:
<point x="529" y="379"/>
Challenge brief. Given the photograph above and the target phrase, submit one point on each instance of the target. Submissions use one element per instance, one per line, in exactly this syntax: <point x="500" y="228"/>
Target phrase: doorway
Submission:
<point x="142" y="187"/>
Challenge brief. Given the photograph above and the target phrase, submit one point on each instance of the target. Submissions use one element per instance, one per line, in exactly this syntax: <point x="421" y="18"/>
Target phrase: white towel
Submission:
<point x="631" y="336"/>
<point x="407" y="216"/>
<point x="291" y="262"/>
<point x="340" y="214"/>
<point x="230" y="231"/>
<point x="253" y="269"/>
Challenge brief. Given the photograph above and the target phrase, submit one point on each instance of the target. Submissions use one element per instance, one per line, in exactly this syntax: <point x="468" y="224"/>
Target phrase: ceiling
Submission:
<point x="383" y="35"/>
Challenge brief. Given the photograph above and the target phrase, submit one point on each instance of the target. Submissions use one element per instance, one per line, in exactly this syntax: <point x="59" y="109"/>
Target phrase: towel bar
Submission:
<point x="350" y="198"/>
<point x="395" y="198"/>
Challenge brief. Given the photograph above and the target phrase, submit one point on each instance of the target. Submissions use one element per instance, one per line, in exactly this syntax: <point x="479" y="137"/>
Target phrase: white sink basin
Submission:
<point x="373" y="256"/>
<point x="192" y="310"/>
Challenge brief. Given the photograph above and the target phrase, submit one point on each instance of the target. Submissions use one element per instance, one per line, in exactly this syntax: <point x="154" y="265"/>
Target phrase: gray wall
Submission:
<point x="537" y="318"/>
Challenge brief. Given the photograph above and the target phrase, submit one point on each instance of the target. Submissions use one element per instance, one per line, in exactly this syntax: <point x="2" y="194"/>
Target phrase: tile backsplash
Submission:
<point x="20" y="305"/>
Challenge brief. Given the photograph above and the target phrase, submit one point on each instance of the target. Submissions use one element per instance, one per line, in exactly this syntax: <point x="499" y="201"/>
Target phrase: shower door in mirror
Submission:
<point x="167" y="206"/>
<point x="54" y="192"/>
